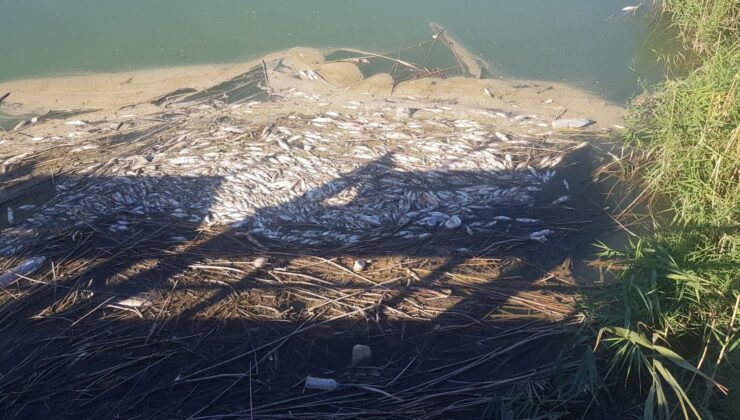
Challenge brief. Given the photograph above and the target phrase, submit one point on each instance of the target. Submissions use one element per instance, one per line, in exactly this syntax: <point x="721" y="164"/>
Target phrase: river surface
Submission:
<point x="591" y="44"/>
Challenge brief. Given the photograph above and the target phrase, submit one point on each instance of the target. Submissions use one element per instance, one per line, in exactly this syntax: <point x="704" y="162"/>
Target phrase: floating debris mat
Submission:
<point x="250" y="86"/>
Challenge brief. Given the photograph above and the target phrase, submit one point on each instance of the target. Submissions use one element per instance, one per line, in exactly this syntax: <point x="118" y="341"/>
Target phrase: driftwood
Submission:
<point x="267" y="78"/>
<point x="468" y="63"/>
<point x="396" y="60"/>
<point x="2" y="98"/>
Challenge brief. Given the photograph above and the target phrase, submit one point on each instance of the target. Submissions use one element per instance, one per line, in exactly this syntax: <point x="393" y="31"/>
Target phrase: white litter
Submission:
<point x="359" y="266"/>
<point x="361" y="353"/>
<point x="259" y="262"/>
<point x="321" y="384"/>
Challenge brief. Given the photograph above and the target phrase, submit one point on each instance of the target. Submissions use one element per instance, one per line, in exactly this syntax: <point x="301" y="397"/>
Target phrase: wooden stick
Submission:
<point x="399" y="61"/>
<point x="264" y="69"/>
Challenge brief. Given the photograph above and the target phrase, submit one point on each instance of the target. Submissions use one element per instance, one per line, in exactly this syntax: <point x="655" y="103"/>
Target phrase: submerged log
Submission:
<point x="469" y="64"/>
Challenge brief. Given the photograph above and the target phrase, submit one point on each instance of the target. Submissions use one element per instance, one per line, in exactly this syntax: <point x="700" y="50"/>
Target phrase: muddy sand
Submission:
<point x="213" y="235"/>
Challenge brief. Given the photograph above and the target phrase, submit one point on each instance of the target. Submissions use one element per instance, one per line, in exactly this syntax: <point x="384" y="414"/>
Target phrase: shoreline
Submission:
<point x="109" y="91"/>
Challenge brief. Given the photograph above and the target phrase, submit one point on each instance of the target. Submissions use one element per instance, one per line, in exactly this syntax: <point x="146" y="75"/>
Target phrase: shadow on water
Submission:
<point x="236" y="341"/>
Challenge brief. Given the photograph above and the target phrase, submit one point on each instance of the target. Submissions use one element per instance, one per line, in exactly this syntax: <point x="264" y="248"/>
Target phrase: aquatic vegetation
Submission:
<point x="671" y="318"/>
<point x="689" y="133"/>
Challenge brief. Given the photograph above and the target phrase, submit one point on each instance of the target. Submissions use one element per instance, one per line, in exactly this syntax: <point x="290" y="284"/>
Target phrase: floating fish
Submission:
<point x="631" y="9"/>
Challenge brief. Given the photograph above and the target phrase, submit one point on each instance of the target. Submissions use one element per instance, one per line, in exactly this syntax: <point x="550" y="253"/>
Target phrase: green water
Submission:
<point x="591" y="44"/>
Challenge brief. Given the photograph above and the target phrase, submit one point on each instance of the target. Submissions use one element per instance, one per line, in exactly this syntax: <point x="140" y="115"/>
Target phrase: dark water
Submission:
<point x="592" y="44"/>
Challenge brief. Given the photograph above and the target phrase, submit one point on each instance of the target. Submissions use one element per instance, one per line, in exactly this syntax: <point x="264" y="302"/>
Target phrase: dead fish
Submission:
<point x="540" y="236"/>
<point x="133" y="303"/>
<point x="24" y="269"/>
<point x="561" y="200"/>
<point x="631" y="9"/>
<point x="501" y="136"/>
<point x="572" y="123"/>
<point x="453" y="222"/>
<point x="322" y="120"/>
<point x="21" y="125"/>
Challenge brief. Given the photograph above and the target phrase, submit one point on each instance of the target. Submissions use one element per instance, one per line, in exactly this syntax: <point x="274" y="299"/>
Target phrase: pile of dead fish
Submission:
<point x="335" y="177"/>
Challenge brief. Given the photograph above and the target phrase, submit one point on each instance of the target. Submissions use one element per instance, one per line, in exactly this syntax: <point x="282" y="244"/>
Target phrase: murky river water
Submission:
<point x="592" y="44"/>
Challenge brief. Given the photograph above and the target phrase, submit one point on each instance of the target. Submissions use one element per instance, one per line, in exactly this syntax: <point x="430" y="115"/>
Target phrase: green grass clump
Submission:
<point x="705" y="24"/>
<point x="671" y="318"/>
<point x="689" y="131"/>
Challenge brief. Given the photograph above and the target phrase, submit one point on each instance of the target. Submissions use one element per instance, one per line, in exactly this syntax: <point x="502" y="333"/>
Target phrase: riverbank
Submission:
<point x="205" y="250"/>
<point x="674" y="314"/>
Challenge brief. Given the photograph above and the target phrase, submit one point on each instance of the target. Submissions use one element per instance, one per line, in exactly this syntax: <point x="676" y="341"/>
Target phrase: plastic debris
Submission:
<point x="501" y="136"/>
<point x="23" y="269"/>
<point x="527" y="220"/>
<point x="11" y="216"/>
<point x="359" y="266"/>
<point x="631" y="9"/>
<point x="321" y="384"/>
<point x="21" y="125"/>
<point x="259" y="262"/>
<point x="361" y="353"/>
